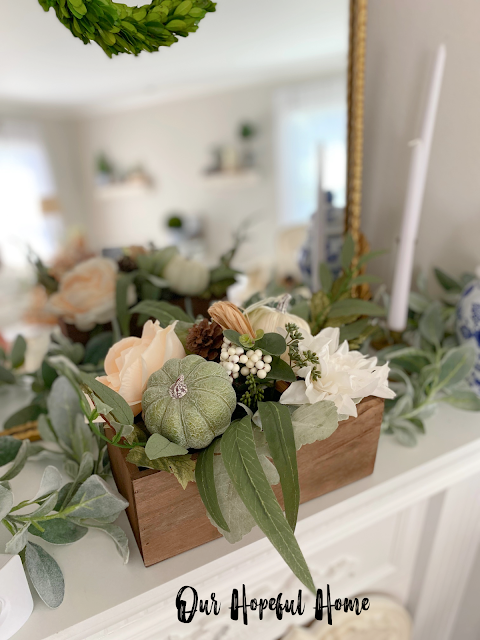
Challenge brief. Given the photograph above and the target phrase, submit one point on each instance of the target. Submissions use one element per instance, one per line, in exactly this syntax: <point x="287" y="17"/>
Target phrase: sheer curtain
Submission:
<point x="26" y="185"/>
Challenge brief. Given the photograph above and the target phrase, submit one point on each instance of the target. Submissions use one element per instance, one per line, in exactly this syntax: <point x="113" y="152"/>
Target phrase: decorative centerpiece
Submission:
<point x="230" y="421"/>
<point x="219" y="423"/>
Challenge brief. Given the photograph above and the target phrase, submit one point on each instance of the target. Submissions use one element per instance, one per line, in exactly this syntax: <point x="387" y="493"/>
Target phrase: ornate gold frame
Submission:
<point x="356" y="84"/>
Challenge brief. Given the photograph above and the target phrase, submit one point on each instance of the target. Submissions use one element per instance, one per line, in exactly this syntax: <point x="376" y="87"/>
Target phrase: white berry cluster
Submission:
<point x="237" y="362"/>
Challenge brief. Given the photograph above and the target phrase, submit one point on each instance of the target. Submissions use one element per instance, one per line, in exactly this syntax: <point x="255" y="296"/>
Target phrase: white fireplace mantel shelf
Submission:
<point x="373" y="535"/>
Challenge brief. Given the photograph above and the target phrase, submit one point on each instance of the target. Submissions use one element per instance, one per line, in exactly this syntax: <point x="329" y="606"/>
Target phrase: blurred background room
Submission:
<point x="275" y="151"/>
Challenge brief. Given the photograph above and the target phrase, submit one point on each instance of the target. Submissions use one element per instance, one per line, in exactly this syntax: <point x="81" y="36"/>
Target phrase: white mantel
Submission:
<point x="410" y="530"/>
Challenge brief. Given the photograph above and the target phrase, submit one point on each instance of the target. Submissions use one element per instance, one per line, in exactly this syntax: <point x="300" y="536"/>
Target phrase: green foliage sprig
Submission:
<point x="335" y="305"/>
<point x="428" y="365"/>
<point x="118" y="28"/>
<point x="297" y="358"/>
<point x="58" y="514"/>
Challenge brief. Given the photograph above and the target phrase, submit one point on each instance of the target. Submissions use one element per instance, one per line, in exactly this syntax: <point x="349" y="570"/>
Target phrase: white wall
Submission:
<point x="401" y="42"/>
<point x="173" y="141"/>
<point x="402" y="38"/>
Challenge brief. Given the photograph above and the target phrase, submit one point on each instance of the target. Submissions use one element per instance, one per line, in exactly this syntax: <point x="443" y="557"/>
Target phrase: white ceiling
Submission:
<point x="245" y="41"/>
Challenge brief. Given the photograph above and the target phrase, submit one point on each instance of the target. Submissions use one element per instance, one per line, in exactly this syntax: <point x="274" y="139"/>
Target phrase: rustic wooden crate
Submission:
<point x="168" y="520"/>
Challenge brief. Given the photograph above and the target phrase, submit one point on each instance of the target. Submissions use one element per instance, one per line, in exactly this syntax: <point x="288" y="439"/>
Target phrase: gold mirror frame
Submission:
<point x="355" y="96"/>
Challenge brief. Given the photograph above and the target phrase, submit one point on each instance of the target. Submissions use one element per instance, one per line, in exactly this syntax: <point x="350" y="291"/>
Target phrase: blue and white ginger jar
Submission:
<point x="468" y="327"/>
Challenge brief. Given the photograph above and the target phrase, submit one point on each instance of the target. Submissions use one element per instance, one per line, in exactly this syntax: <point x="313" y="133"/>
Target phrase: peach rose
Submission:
<point x="131" y="362"/>
<point x="86" y="295"/>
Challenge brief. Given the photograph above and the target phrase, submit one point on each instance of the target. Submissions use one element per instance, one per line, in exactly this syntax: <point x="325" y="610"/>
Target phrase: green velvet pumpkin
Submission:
<point x="189" y="401"/>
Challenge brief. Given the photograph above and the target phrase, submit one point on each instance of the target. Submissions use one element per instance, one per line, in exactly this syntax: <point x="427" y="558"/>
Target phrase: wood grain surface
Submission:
<point x="168" y="520"/>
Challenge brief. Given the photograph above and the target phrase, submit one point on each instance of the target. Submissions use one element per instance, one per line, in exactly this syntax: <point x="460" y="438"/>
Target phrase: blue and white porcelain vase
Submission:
<point x="468" y="326"/>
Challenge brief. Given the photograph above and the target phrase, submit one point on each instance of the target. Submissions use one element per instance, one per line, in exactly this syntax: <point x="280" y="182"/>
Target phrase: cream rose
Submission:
<point x="131" y="361"/>
<point x="86" y="295"/>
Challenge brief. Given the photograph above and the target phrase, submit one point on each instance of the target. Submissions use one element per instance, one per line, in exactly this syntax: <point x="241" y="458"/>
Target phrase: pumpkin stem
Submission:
<point x="178" y="388"/>
<point x="283" y="303"/>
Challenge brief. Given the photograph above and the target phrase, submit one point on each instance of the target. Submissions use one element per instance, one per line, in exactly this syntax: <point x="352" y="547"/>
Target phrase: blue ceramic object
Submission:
<point x="468" y="326"/>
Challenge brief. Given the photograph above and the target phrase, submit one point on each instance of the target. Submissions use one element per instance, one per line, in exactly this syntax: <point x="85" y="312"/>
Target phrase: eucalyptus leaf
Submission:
<point x="233" y="336"/>
<point x="205" y="480"/>
<point x="280" y="370"/>
<point x="247" y="475"/>
<point x="6" y="501"/>
<point x="18" y="542"/>
<point x="95" y="499"/>
<point x="45" y="574"/>
<point x="278" y="429"/>
<point x="160" y="447"/>
<point x="19" y="349"/>
<point x="313" y="422"/>
<point x="59" y="531"/>
<point x="272" y="344"/>
<point x="51" y="481"/>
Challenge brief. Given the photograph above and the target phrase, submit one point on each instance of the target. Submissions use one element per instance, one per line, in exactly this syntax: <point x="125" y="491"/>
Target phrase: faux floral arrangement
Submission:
<point x="221" y="402"/>
<point x="94" y="292"/>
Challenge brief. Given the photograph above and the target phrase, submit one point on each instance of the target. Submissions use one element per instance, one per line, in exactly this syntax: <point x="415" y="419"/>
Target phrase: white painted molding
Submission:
<point x="452" y="556"/>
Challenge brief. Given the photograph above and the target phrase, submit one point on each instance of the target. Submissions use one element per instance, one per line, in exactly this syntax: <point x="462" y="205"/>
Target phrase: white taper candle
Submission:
<point x="397" y="317"/>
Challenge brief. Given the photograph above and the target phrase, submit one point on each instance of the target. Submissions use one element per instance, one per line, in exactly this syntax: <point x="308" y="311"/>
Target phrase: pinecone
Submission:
<point x="205" y="339"/>
<point x="127" y="264"/>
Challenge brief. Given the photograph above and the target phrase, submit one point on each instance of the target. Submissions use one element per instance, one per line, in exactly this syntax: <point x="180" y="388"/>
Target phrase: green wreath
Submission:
<point x="118" y="28"/>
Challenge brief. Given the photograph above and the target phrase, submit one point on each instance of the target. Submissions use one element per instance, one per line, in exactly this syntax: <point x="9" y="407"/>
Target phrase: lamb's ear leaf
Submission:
<point x="45" y="574"/>
<point x="247" y="476"/>
<point x="205" y="479"/>
<point x="120" y="409"/>
<point x="278" y="429"/>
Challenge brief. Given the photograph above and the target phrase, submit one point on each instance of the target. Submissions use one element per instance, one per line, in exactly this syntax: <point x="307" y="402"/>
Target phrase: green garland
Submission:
<point x="118" y="28"/>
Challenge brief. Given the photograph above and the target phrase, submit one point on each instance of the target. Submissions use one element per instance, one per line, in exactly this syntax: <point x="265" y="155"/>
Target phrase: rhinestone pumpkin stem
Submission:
<point x="178" y="388"/>
<point x="283" y="303"/>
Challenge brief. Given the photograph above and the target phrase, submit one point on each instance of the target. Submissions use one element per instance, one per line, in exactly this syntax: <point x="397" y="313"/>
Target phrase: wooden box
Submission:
<point x="168" y="520"/>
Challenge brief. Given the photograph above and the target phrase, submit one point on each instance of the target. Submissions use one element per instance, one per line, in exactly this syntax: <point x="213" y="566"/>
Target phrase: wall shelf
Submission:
<point x="120" y="190"/>
<point x="231" y="179"/>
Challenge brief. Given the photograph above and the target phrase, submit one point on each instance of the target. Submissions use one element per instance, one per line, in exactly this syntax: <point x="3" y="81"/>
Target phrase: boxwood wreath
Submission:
<point x="118" y="28"/>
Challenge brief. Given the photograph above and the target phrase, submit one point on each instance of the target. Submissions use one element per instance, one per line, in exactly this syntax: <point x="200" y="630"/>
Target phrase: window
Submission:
<point x="311" y="125"/>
